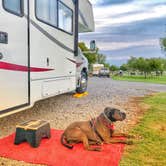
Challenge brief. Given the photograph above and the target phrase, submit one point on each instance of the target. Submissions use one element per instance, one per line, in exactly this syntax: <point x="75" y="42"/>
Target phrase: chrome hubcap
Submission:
<point x="84" y="83"/>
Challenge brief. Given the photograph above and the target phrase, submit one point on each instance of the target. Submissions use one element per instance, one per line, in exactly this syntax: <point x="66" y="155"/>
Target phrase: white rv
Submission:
<point x="39" y="55"/>
<point x="96" y="69"/>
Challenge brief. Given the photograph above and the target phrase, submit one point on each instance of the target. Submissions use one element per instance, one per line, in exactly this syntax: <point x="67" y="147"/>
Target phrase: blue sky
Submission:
<point x="126" y="28"/>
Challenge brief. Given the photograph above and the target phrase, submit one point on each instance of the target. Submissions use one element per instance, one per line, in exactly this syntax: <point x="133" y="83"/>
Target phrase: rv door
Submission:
<point x="14" y="69"/>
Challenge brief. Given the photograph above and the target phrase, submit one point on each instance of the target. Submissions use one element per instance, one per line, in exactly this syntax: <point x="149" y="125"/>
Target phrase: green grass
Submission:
<point x="150" y="148"/>
<point x="157" y="80"/>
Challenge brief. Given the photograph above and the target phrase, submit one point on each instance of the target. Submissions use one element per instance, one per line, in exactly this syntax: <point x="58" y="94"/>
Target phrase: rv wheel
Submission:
<point x="83" y="83"/>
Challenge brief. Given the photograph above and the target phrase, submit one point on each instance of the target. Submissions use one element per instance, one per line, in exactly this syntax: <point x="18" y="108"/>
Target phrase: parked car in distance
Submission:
<point x="104" y="72"/>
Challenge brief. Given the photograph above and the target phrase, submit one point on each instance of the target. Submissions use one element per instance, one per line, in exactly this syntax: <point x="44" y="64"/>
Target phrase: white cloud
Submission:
<point x="123" y="45"/>
<point x="119" y="58"/>
<point x="113" y="46"/>
<point x="112" y="21"/>
<point x="127" y="13"/>
<point x="95" y="1"/>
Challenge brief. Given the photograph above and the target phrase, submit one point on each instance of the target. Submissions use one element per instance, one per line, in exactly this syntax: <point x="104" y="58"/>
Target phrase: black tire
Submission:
<point x="83" y="83"/>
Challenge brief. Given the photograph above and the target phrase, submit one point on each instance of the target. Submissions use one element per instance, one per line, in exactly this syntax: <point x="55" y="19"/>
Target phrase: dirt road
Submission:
<point x="62" y="110"/>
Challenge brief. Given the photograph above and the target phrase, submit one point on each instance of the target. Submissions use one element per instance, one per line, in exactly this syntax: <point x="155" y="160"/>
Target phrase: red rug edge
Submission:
<point x="42" y="162"/>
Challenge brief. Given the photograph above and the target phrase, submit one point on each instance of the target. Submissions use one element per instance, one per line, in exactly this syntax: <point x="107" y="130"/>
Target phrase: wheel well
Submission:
<point x="85" y="70"/>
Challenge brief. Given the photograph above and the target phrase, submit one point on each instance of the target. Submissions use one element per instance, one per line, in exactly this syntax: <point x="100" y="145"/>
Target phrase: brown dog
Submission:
<point x="94" y="132"/>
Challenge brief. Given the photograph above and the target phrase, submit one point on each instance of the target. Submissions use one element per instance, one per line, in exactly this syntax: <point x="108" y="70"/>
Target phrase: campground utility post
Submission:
<point x="39" y="56"/>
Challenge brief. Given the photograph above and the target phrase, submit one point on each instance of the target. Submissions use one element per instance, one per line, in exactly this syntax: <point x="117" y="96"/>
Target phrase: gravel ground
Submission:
<point x="61" y="110"/>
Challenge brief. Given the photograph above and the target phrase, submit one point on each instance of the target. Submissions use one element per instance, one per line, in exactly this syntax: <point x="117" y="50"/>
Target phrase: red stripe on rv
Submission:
<point x="14" y="67"/>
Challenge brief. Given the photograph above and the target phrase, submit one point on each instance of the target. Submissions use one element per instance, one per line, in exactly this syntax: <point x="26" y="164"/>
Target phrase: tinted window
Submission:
<point x="46" y="10"/>
<point x="65" y="18"/>
<point x="14" y="6"/>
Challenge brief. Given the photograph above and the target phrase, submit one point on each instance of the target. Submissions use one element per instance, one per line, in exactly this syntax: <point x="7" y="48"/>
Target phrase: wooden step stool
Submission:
<point x="32" y="132"/>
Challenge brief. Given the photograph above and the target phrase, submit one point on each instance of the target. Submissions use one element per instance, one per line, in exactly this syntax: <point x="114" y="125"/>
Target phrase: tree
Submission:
<point x="101" y="59"/>
<point x="92" y="57"/>
<point x="146" y="66"/>
<point x="164" y="64"/>
<point x="163" y="44"/>
<point x="156" y="65"/>
<point x="143" y="66"/>
<point x="124" y="67"/>
<point x="114" y="68"/>
<point x="132" y="63"/>
<point x="107" y="65"/>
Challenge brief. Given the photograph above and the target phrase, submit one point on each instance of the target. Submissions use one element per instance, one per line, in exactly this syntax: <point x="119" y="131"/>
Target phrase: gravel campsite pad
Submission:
<point x="61" y="110"/>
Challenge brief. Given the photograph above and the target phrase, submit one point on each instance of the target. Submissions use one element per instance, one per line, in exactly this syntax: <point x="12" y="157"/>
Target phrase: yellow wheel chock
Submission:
<point x="79" y="95"/>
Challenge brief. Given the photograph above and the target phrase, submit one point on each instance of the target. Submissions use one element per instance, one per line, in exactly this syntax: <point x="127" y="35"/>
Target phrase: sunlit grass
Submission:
<point x="150" y="148"/>
<point x="154" y="79"/>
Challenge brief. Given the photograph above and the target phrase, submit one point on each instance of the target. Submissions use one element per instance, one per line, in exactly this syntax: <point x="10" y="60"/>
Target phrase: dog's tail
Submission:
<point x="63" y="142"/>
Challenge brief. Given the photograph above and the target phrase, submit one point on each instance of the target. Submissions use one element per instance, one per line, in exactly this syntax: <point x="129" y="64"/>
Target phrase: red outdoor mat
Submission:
<point x="52" y="153"/>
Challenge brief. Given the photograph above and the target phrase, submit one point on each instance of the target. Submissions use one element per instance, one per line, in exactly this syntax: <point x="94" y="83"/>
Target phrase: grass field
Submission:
<point x="157" y="80"/>
<point x="150" y="148"/>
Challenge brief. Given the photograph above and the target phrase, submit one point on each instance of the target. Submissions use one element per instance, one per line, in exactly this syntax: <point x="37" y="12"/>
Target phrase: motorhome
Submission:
<point x="39" y="55"/>
<point x="96" y="69"/>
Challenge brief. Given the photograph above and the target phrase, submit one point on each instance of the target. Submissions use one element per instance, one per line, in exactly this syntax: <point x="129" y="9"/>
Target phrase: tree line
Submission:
<point x="144" y="66"/>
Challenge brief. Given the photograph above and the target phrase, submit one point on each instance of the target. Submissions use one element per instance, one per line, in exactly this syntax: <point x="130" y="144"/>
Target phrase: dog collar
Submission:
<point x="109" y="125"/>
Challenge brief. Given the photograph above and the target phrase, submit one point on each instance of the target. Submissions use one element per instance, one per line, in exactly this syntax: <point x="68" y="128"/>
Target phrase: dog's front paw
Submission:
<point x="129" y="142"/>
<point x="99" y="143"/>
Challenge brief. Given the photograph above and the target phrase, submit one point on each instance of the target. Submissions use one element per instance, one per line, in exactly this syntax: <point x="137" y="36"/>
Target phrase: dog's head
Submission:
<point x="114" y="114"/>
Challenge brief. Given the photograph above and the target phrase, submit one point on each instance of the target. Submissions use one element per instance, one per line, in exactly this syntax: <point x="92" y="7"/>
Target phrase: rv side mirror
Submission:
<point x="93" y="45"/>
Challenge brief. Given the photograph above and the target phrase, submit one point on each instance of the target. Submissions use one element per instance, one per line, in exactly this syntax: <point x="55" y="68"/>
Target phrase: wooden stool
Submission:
<point x="32" y="132"/>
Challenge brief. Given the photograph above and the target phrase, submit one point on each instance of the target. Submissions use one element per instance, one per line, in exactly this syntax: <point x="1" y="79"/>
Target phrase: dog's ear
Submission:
<point x="109" y="112"/>
<point x="124" y="115"/>
<point x="107" y="109"/>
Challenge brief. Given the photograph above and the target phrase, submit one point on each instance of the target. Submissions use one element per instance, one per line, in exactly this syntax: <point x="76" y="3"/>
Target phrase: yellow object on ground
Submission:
<point x="79" y="95"/>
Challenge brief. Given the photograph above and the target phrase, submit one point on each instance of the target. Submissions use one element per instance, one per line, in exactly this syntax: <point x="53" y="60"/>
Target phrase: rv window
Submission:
<point x="65" y="18"/>
<point x="14" y="6"/>
<point x="46" y="11"/>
